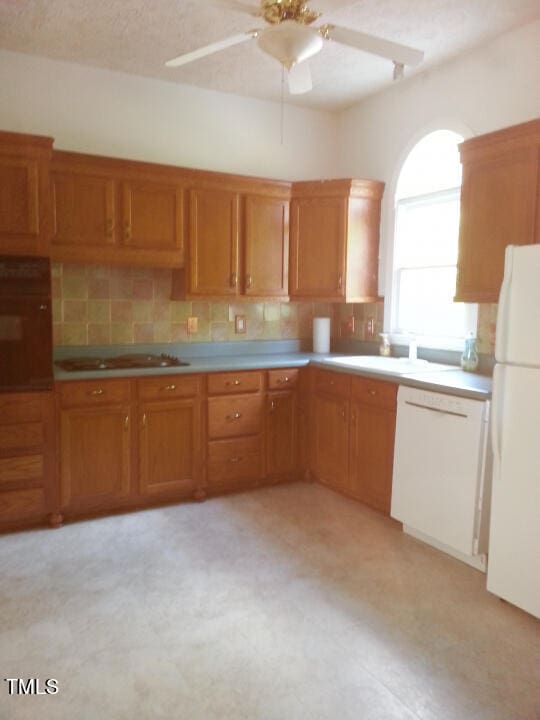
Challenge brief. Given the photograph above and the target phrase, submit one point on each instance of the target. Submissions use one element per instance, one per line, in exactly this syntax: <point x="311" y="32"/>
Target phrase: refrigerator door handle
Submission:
<point x="501" y="338"/>
<point x="496" y="415"/>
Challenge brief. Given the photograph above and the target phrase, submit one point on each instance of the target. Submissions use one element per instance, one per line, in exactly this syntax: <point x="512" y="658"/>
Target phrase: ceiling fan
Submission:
<point x="291" y="40"/>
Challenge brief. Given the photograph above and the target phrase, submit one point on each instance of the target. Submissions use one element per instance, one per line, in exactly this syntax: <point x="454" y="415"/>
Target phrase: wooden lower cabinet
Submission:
<point x="331" y="441"/>
<point x="27" y="449"/>
<point x="169" y="447"/>
<point x="281" y="435"/>
<point x="353" y="436"/>
<point x="95" y="457"/>
<point x="371" y="455"/>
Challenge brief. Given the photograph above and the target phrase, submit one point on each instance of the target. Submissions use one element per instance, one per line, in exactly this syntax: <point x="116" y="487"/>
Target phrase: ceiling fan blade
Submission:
<point x="242" y="7"/>
<point x="210" y="49"/>
<point x="401" y="54"/>
<point x="300" y="78"/>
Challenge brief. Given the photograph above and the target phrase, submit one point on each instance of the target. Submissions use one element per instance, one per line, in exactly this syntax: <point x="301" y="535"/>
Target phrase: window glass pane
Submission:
<point x="424" y="304"/>
<point x="427" y="231"/>
<point x="433" y="164"/>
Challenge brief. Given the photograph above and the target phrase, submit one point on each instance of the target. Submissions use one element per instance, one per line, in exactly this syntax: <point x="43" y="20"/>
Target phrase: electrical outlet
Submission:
<point x="239" y="324"/>
<point x="192" y="325"/>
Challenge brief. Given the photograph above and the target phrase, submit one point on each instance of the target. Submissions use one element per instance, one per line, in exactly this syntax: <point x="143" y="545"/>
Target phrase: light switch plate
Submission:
<point x="239" y="324"/>
<point x="192" y="325"/>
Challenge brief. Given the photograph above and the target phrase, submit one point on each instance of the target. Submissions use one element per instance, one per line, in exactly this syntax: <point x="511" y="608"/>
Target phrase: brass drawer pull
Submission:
<point x="235" y="382"/>
<point x="144" y="420"/>
<point x="281" y="381"/>
<point x="248" y="282"/>
<point x="169" y="388"/>
<point x="372" y="392"/>
<point x="233" y="279"/>
<point x="99" y="391"/>
<point x="126" y="422"/>
<point x="236" y="416"/>
<point x="235" y="459"/>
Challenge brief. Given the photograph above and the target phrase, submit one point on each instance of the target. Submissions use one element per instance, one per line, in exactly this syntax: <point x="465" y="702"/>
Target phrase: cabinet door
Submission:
<point x="94" y="456"/>
<point x="371" y="455"/>
<point x="153" y="215"/>
<point x="213" y="242"/>
<point x="84" y="209"/>
<point x="169" y="446"/>
<point x="267" y="246"/>
<point x="21" y="198"/>
<point x="331" y="441"/>
<point x="499" y="200"/>
<point x="281" y="444"/>
<point x="318" y="238"/>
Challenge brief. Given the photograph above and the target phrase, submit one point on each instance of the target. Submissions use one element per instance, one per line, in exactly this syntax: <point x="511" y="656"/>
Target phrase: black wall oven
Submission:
<point x="25" y="324"/>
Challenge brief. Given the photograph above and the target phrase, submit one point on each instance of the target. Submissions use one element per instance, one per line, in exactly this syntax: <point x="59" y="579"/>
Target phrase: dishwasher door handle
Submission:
<point x="436" y="410"/>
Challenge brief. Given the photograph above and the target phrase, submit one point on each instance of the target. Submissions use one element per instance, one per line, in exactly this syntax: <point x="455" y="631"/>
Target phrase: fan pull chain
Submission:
<point x="282" y="101"/>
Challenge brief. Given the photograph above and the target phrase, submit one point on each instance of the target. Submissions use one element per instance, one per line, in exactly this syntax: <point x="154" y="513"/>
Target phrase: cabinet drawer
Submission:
<point x="18" y="469"/>
<point x="229" y="383"/>
<point x="169" y="386"/>
<point x="94" y="392"/>
<point x="22" y="503"/>
<point x="374" y="392"/>
<point x="21" y="408"/>
<point x="283" y="379"/>
<point x="235" y="416"/>
<point x="235" y="460"/>
<point x="20" y="436"/>
<point x="333" y="383"/>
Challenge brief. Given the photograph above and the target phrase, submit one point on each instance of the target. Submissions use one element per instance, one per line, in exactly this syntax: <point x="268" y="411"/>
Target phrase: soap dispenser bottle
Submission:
<point x="384" y="347"/>
<point x="469" y="358"/>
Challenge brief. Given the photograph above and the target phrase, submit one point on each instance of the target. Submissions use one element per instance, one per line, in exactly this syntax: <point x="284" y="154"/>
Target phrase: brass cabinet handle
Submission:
<point x="372" y="392"/>
<point x="248" y="281"/>
<point x="234" y="382"/>
<point x="169" y="388"/>
<point x="235" y="459"/>
<point x="126" y="422"/>
<point x="144" y="420"/>
<point x="283" y="380"/>
<point x="127" y="231"/>
<point x="272" y="406"/>
<point x="236" y="416"/>
<point x="99" y="391"/>
<point x="110" y="227"/>
<point x="234" y="279"/>
<point x="340" y="281"/>
<point x="344" y="414"/>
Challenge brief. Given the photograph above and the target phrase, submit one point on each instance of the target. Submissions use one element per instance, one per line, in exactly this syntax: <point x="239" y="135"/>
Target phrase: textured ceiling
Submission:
<point x="137" y="36"/>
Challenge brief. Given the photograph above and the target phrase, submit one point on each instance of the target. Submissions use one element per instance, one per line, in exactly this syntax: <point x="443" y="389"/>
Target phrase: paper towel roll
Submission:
<point x="321" y="335"/>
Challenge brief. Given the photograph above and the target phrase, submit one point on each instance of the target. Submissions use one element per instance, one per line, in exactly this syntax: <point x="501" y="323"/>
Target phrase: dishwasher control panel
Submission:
<point x="441" y="402"/>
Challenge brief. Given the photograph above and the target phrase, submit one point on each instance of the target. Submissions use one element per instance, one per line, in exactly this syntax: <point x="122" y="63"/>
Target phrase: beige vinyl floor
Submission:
<point x="286" y="603"/>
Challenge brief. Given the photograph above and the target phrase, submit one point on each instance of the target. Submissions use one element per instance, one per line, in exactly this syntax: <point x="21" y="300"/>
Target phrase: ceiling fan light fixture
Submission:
<point x="290" y="43"/>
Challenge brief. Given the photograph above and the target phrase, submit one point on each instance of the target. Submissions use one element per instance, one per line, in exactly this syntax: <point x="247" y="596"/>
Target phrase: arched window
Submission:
<point x="426" y="247"/>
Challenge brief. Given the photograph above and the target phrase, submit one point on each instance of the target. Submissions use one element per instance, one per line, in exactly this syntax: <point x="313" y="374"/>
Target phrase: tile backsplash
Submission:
<point x="101" y="305"/>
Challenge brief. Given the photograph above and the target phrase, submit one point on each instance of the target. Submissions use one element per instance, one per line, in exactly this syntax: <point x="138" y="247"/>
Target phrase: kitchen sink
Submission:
<point x="391" y="365"/>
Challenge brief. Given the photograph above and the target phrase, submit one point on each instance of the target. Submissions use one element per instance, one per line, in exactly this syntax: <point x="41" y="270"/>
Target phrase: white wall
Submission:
<point x="110" y="113"/>
<point x="495" y="86"/>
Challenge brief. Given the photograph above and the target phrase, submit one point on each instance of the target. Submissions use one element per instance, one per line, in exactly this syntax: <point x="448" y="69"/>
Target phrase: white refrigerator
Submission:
<point x="513" y="571"/>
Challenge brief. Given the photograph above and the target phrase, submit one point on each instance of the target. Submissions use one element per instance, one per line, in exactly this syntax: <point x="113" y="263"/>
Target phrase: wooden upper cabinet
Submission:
<point x="334" y="246"/>
<point x="153" y="215"/>
<point x="500" y="206"/>
<point x="117" y="212"/>
<point x="25" y="217"/>
<point x="214" y="239"/>
<point x="266" y="246"/>
<point x="318" y="247"/>
<point x="85" y="212"/>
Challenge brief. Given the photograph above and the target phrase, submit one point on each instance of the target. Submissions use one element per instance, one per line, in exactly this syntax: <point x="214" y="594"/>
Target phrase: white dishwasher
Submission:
<point x="441" y="481"/>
